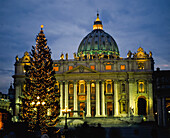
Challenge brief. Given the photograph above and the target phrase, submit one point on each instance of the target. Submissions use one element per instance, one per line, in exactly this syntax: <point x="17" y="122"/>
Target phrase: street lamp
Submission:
<point x="38" y="104"/>
<point x="66" y="111"/>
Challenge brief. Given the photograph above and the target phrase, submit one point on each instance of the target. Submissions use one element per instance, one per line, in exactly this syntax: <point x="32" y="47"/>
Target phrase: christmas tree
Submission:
<point x="40" y="102"/>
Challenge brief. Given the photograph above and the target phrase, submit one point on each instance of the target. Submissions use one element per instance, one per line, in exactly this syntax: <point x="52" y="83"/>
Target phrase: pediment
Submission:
<point x="81" y="69"/>
<point x="141" y="53"/>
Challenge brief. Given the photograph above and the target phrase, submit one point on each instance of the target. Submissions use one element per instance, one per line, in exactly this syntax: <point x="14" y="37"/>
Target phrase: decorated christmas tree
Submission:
<point x="40" y="102"/>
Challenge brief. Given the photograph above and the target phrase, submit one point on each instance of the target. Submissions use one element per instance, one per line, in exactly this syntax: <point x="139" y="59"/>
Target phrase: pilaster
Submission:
<point x="61" y="98"/>
<point x="159" y="111"/>
<point x="150" y="109"/>
<point x="164" y="114"/>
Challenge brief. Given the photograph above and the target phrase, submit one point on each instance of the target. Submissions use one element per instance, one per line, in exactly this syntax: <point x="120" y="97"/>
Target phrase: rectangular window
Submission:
<point x="122" y="67"/>
<point x="108" y="67"/>
<point x="56" y="68"/>
<point x="92" y="67"/>
<point x="70" y="67"/>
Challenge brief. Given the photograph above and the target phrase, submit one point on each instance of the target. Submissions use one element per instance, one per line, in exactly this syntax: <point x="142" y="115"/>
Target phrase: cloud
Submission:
<point x="131" y="23"/>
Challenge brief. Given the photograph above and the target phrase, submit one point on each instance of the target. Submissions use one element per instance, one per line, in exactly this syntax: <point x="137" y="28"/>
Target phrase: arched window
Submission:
<point x="109" y="85"/>
<point x="82" y="88"/>
<point x="124" y="108"/>
<point x="71" y="89"/>
<point x="109" y="88"/>
<point x="93" y="90"/>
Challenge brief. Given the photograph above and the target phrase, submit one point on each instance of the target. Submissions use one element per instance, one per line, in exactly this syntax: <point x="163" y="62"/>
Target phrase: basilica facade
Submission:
<point x="98" y="82"/>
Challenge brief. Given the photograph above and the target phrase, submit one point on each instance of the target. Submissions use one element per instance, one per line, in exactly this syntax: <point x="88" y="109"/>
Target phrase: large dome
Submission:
<point x="98" y="42"/>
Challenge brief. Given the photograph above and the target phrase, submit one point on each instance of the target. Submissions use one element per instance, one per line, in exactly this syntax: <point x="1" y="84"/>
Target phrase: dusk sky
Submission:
<point x="132" y="23"/>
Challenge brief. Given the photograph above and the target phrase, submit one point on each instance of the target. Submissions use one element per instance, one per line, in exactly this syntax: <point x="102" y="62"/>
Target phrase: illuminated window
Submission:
<point x="70" y="67"/>
<point x="122" y="67"/>
<point x="108" y="67"/>
<point x="71" y="89"/>
<point x="55" y="64"/>
<point x="92" y="67"/>
<point x="93" y="90"/>
<point x="56" y="68"/>
<point x="82" y="88"/>
<point x="109" y="87"/>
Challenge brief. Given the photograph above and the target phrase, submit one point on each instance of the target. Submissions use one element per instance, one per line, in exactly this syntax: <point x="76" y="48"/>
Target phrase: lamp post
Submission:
<point x="38" y="104"/>
<point x="66" y="111"/>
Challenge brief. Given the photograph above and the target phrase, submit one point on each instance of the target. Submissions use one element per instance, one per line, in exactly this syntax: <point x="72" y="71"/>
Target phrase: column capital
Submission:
<point x="131" y="80"/>
<point x="97" y="81"/>
<point x="60" y="81"/>
<point x="75" y="81"/>
<point x="88" y="81"/>
<point x="116" y="81"/>
<point x="66" y="81"/>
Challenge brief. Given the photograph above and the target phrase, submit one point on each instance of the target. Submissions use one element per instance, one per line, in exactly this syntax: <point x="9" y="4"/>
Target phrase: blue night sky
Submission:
<point x="132" y="23"/>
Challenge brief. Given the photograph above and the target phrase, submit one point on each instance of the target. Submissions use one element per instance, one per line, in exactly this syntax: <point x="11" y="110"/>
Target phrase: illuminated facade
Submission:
<point x="98" y="81"/>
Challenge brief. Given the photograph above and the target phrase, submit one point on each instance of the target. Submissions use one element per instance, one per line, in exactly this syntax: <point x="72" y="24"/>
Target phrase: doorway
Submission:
<point x="141" y="106"/>
<point x="109" y="109"/>
<point x="82" y="108"/>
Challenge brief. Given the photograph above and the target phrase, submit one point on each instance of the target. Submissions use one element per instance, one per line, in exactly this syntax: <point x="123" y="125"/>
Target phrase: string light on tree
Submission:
<point x="40" y="92"/>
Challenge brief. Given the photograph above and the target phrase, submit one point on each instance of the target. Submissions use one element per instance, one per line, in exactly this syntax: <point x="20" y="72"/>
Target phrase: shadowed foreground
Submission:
<point x="143" y="130"/>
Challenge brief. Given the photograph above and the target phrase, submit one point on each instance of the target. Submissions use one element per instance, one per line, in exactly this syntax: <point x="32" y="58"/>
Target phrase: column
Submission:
<point x="97" y="99"/>
<point x="164" y="117"/>
<point x="150" y="102"/>
<point x="75" y="99"/>
<point x="66" y="94"/>
<point x="17" y="99"/>
<point x="116" y="104"/>
<point x="103" y="100"/>
<point x="88" y="100"/>
<point x="61" y="98"/>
